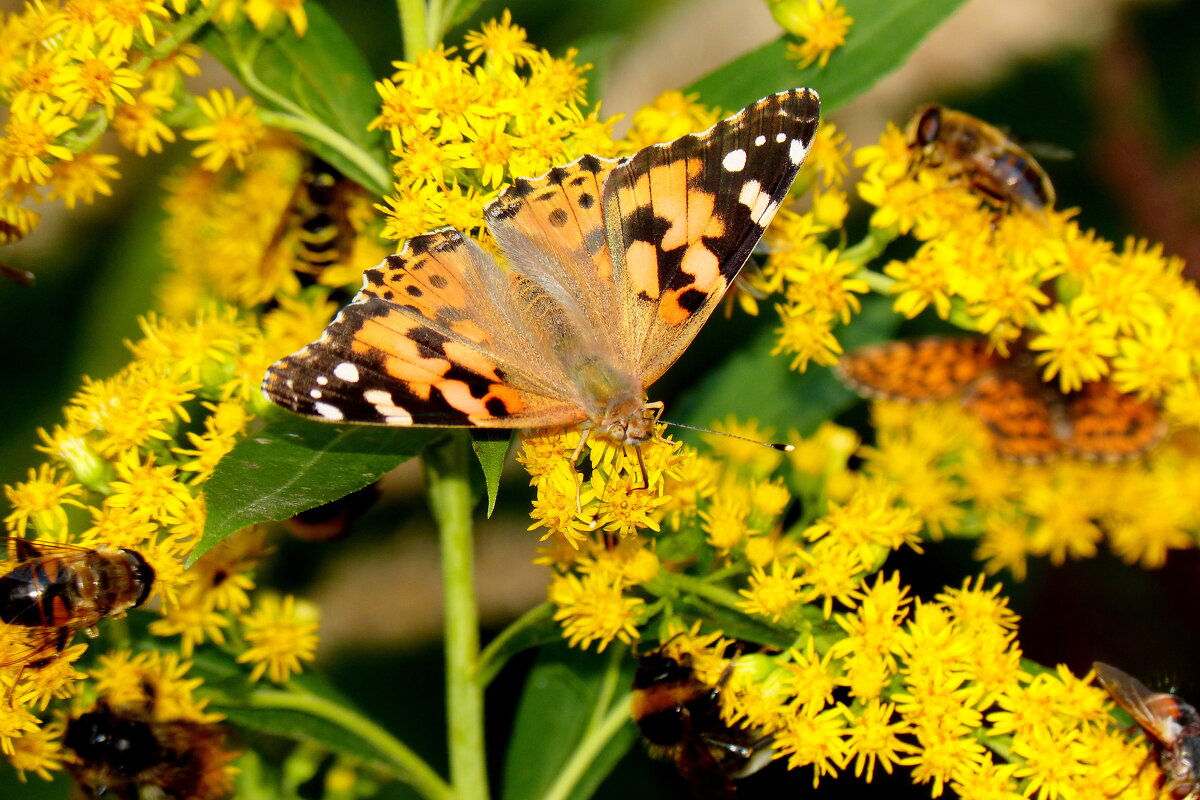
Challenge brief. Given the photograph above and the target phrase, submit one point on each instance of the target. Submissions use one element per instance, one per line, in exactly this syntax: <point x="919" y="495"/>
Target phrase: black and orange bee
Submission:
<point x="680" y="718"/>
<point x="128" y="755"/>
<point x="981" y="154"/>
<point x="1170" y="722"/>
<point x="56" y="589"/>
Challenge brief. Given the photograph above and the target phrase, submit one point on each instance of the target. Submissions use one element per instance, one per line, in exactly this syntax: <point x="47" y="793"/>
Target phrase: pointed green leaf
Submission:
<point x="320" y="84"/>
<point x="567" y="693"/>
<point x="491" y="448"/>
<point x="881" y="38"/>
<point x="294" y="464"/>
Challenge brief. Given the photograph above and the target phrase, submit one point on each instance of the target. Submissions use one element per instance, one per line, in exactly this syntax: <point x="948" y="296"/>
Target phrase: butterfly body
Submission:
<point x="612" y="266"/>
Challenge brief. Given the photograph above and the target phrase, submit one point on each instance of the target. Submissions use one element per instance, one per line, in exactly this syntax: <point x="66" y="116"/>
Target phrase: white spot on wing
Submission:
<point x="751" y="191"/>
<point x="760" y="140"/>
<point x="385" y="406"/>
<point x="315" y="394"/>
<point x="322" y="380"/>
<point x="329" y="412"/>
<point x="346" y="371"/>
<point x="797" y="151"/>
<point x="781" y="137"/>
<point x="734" y="160"/>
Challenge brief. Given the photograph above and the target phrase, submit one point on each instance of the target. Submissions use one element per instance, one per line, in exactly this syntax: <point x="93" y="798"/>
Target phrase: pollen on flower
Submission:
<point x="821" y="24"/>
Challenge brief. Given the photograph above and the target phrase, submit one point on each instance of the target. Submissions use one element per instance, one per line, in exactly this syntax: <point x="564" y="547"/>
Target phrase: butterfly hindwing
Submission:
<point x="1107" y="425"/>
<point x="683" y="217"/>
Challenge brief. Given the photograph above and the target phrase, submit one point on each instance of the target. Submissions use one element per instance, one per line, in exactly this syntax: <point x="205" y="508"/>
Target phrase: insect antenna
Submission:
<point x="780" y="446"/>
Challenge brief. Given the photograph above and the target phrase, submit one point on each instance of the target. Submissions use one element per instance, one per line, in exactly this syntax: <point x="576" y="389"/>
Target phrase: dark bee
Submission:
<point x="1171" y="723"/>
<point x="57" y="589"/>
<point x="991" y="162"/>
<point x="680" y="718"/>
<point x="131" y="756"/>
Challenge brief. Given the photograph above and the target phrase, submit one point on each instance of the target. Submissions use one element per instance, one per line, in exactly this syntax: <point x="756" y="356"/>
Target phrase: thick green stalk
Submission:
<point x="413" y="27"/>
<point x="447" y="473"/>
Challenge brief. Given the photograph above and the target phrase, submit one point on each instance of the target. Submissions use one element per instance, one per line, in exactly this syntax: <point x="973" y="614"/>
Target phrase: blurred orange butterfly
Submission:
<point x="1031" y="421"/>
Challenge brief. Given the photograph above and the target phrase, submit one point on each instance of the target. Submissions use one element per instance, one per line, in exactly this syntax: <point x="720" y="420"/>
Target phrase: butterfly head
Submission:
<point x="631" y="422"/>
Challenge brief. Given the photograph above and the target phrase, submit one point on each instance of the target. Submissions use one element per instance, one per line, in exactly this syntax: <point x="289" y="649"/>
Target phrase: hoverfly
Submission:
<point x="56" y="589"/>
<point x="680" y="718"/>
<point x="1171" y="723"/>
<point x="981" y="154"/>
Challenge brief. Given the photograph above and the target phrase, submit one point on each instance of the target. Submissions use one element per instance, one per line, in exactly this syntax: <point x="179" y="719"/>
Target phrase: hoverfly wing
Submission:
<point x="1157" y="712"/>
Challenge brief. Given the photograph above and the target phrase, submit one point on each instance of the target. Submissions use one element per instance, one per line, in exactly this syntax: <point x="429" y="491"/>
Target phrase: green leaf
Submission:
<point x="557" y="709"/>
<point x="321" y="83"/>
<point x="491" y="448"/>
<point x="294" y="464"/>
<point x="754" y="384"/>
<point x="881" y="38"/>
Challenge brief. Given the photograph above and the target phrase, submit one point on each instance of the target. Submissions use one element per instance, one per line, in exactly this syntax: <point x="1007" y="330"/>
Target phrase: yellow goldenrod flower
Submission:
<point x="96" y="78"/>
<point x="234" y="130"/>
<point x="281" y="634"/>
<point x="82" y="178"/>
<point x="814" y="737"/>
<point x="28" y="143"/>
<point x="771" y="594"/>
<point x="1075" y="344"/>
<point x="42" y="500"/>
<point x="125" y="19"/>
<point x="822" y="24"/>
<point x="39" y="751"/>
<point x="261" y="12"/>
<point x="139" y="124"/>
<point x="874" y="736"/>
<point x="503" y="44"/>
<point x="593" y="608"/>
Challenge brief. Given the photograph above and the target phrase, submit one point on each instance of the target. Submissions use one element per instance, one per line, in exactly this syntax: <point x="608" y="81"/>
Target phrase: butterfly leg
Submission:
<point x="575" y="476"/>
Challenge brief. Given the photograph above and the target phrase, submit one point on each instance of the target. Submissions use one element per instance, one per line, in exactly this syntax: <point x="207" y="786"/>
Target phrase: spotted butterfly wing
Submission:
<point x="932" y="368"/>
<point x="612" y="265"/>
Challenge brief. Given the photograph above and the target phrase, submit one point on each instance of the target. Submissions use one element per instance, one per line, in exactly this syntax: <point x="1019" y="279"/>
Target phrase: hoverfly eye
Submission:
<point x="929" y="126"/>
<point x="616" y="432"/>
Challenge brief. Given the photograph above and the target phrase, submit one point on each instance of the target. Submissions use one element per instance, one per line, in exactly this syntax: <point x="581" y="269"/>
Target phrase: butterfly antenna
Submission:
<point x="780" y="446"/>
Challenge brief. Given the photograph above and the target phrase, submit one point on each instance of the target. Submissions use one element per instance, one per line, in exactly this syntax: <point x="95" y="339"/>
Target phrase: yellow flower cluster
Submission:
<point x="874" y="679"/>
<point x="71" y="71"/>
<point x="941" y="461"/>
<point x="463" y="127"/>
<point x="124" y="471"/>
<point x="238" y="235"/>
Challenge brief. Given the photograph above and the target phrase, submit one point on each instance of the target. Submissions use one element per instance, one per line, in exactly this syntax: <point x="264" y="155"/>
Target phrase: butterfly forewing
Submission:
<point x="683" y="217"/>
<point x="1107" y="425"/>
<point x="428" y="341"/>
<point x="918" y="370"/>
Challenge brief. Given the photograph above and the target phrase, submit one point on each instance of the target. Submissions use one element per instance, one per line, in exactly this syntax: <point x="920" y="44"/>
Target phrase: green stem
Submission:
<point x="381" y="182"/>
<point x="447" y="474"/>
<point x="701" y="588"/>
<point x="408" y="764"/>
<point x="490" y="662"/>
<point x="870" y="247"/>
<point x="587" y="750"/>
<point x="413" y="27"/>
<point x="608" y="687"/>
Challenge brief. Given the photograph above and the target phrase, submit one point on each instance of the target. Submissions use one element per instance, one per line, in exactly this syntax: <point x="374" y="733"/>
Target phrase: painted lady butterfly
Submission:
<point x="613" y="266"/>
<point x="1030" y="420"/>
